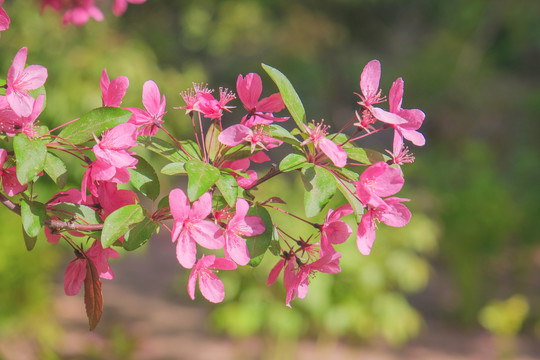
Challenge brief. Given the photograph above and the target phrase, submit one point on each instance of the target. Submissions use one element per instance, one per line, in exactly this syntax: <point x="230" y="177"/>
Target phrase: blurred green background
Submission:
<point x="471" y="65"/>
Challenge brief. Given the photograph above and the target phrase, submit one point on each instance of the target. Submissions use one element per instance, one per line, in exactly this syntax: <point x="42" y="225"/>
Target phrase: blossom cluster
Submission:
<point x="218" y="222"/>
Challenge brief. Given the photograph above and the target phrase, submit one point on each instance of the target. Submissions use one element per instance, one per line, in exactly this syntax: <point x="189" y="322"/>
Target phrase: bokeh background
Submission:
<point x="467" y="263"/>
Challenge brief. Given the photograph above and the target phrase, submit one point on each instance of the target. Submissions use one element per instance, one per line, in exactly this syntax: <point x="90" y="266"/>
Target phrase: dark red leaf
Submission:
<point x="93" y="300"/>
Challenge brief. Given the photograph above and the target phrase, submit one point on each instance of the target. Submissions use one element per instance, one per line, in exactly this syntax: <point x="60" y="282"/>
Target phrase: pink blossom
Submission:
<point x="210" y="285"/>
<point x="190" y="226"/>
<point x="371" y="94"/>
<point x="241" y="225"/>
<point x="13" y="123"/>
<point x="113" y="91"/>
<point x="242" y="165"/>
<point x="391" y="213"/>
<point x="112" y="148"/>
<point x="74" y="276"/>
<point x="120" y="6"/>
<point x="257" y="136"/>
<point x="334" y="230"/>
<point x="21" y="80"/>
<point x="110" y="198"/>
<point x="413" y="117"/>
<point x="100" y="258"/>
<point x="11" y="185"/>
<point x="249" y="91"/>
<point x="212" y="108"/>
<point x="377" y="181"/>
<point x="150" y="119"/>
<point x="317" y="136"/>
<point x="4" y="18"/>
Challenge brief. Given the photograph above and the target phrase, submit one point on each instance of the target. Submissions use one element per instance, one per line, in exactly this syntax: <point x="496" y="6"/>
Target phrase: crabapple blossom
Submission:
<point x="149" y="120"/>
<point x="12" y="123"/>
<point x="334" y="230"/>
<point x="249" y="91"/>
<point x="10" y="183"/>
<point x="210" y="285"/>
<point x="20" y="80"/>
<point x="113" y="91"/>
<point x="4" y="18"/>
<point x="377" y="181"/>
<point x="191" y="228"/>
<point x="256" y="136"/>
<point x="317" y="136"/>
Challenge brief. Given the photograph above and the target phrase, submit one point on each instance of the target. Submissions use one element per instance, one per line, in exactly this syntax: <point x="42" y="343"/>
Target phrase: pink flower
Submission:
<point x="371" y="94"/>
<point x="150" y="119"/>
<point x="76" y="270"/>
<point x="113" y="91"/>
<point x="13" y="123"/>
<point x="120" y="6"/>
<point x="112" y="149"/>
<point x="11" y="185"/>
<point x="257" y="136"/>
<point x="377" y="181"/>
<point x="210" y="285"/>
<point x="190" y="226"/>
<point x="212" y="108"/>
<point x="242" y="165"/>
<point x="21" y="80"/>
<point x="413" y="117"/>
<point x="335" y="231"/>
<point x="4" y="18"/>
<point x="241" y="225"/>
<point x="317" y="136"/>
<point x="249" y="91"/>
<point x="391" y="213"/>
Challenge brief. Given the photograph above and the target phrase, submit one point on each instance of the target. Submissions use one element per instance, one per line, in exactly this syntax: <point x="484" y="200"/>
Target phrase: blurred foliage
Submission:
<point x="505" y="317"/>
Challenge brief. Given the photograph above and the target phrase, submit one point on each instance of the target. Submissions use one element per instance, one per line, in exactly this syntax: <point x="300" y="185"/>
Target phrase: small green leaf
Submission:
<point x="139" y="235"/>
<point x="258" y="244"/>
<point x="364" y="156"/>
<point x="349" y="190"/>
<point x="144" y="179"/>
<point x="30" y="154"/>
<point x="292" y="162"/>
<point x="320" y="186"/>
<point x="282" y="134"/>
<point x="201" y="176"/>
<point x="29" y="241"/>
<point x="33" y="216"/>
<point x="228" y="187"/>
<point x="94" y="123"/>
<point x="164" y="202"/>
<point x="40" y="91"/>
<point x="120" y="222"/>
<point x="212" y="142"/>
<point x="275" y="248"/>
<point x="3" y="86"/>
<point x="56" y="169"/>
<point x="289" y="95"/>
<point x="174" y="168"/>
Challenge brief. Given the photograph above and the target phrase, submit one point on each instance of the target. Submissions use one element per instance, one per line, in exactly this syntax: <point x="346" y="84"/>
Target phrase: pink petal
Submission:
<point x="366" y="233"/>
<point x="249" y="89"/>
<point x="4" y="20"/>
<point x="383" y="179"/>
<point x="249" y="182"/>
<point x="237" y="249"/>
<point x="370" y="77"/>
<point x="21" y="103"/>
<point x="335" y="153"/>
<point x="74" y="276"/>
<point x="386" y="116"/>
<point x="234" y="135"/>
<point x="17" y="67"/>
<point x="150" y="97"/>
<point x="120" y="137"/>
<point x="255" y="226"/>
<point x="186" y="251"/>
<point x="211" y="287"/>
<point x="224" y="264"/>
<point x="395" y="96"/>
<point x="271" y="104"/>
<point x="207" y="234"/>
<point x="337" y="232"/>
<point x="397" y="214"/>
<point x="192" y="281"/>
<point x="201" y="207"/>
<point x="274" y="273"/>
<point x="179" y="204"/>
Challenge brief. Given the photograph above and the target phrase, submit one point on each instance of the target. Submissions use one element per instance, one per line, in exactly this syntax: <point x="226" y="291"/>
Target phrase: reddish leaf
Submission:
<point x="93" y="300"/>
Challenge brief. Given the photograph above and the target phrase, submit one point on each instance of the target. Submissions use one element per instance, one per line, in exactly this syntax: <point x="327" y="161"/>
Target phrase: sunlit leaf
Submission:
<point x="258" y="245"/>
<point x="31" y="155"/>
<point x="56" y="169"/>
<point x="201" y="176"/>
<point x="120" y="222"/>
<point x="145" y="179"/>
<point x="33" y="216"/>
<point x="139" y="235"/>
<point x="319" y="186"/>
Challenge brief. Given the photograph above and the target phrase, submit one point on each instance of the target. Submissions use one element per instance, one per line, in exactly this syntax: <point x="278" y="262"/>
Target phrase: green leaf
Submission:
<point x="30" y="154"/>
<point x="212" y="142"/>
<point x="139" y="235"/>
<point x="120" y="222"/>
<point x="169" y="151"/>
<point x="364" y="156"/>
<point x="94" y="123"/>
<point x="275" y="248"/>
<point x="174" y="168"/>
<point x="238" y="152"/>
<point x="56" y="169"/>
<point x="320" y="186"/>
<point x="144" y="179"/>
<point x="289" y="95"/>
<point x="40" y="91"/>
<point x="258" y="244"/>
<point x="3" y="86"/>
<point x="164" y="202"/>
<point x="292" y="162"/>
<point x="201" y="176"/>
<point x="282" y="134"/>
<point x="349" y="190"/>
<point x="228" y="187"/>
<point x="29" y="241"/>
<point x="81" y="213"/>
<point x="33" y="216"/>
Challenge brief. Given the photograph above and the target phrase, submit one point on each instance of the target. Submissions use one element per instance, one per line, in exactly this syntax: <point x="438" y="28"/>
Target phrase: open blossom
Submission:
<point x="334" y="230"/>
<point x="120" y="6"/>
<point x="13" y="123"/>
<point x="210" y="285"/>
<point x="113" y="91"/>
<point x="378" y="181"/>
<point x="413" y="117"/>
<point x="10" y="184"/>
<point x="317" y="136"/>
<point x="76" y="270"/>
<point x="256" y="136"/>
<point x="191" y="227"/>
<point x="149" y="120"/>
<point x="371" y="95"/>
<point x="241" y="225"/>
<point x="4" y="18"/>
<point x="249" y="90"/>
<point x="20" y="80"/>
<point x="242" y="165"/>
